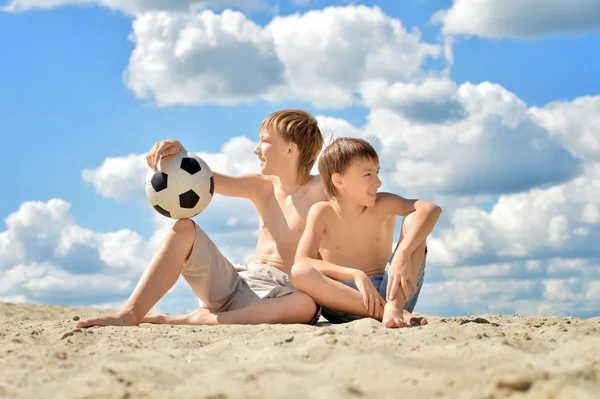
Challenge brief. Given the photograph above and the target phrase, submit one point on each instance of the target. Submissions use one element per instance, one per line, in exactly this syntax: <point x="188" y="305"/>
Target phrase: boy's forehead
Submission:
<point x="364" y="163"/>
<point x="265" y="131"/>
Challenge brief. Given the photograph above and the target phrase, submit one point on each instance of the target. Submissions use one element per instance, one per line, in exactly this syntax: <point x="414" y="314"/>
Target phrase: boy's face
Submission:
<point x="272" y="151"/>
<point x="360" y="182"/>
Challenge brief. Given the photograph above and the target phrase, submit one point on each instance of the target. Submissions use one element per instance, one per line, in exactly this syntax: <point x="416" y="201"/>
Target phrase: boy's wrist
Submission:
<point x="358" y="274"/>
<point x="401" y="255"/>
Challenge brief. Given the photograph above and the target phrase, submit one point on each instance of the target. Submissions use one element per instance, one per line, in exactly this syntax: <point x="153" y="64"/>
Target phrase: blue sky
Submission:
<point x="513" y="171"/>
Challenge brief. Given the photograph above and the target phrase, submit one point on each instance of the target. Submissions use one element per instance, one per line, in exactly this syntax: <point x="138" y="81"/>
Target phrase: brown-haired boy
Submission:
<point x="258" y="292"/>
<point x="342" y="258"/>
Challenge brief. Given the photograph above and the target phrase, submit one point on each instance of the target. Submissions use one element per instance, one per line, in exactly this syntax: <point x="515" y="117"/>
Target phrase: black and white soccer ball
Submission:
<point x="182" y="187"/>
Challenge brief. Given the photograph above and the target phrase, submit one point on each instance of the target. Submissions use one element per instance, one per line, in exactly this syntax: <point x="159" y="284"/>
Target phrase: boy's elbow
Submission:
<point x="300" y="269"/>
<point x="433" y="208"/>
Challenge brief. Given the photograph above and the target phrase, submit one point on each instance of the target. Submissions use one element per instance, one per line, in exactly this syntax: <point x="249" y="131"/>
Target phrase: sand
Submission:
<point x="495" y="356"/>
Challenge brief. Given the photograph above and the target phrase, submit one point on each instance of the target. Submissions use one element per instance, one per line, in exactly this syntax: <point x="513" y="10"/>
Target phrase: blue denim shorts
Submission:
<point x="380" y="282"/>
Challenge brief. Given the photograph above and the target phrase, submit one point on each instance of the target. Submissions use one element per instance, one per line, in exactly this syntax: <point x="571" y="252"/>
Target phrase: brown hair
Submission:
<point x="300" y="128"/>
<point x="337" y="157"/>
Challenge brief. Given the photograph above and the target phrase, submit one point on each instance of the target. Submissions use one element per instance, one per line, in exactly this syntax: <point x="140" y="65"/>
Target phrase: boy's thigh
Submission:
<point x="212" y="277"/>
<point x="261" y="281"/>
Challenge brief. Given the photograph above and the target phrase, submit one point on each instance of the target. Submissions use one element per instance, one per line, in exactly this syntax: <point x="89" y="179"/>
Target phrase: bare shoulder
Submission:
<point x="264" y="183"/>
<point x="321" y="210"/>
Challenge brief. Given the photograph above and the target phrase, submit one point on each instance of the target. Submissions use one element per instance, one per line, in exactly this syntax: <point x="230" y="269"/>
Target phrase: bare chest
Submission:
<point x="364" y="244"/>
<point x="283" y="218"/>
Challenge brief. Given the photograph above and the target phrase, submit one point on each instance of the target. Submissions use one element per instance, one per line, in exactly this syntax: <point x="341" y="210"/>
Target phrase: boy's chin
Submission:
<point x="266" y="172"/>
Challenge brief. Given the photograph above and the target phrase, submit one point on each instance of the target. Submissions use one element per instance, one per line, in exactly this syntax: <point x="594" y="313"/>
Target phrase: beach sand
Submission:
<point x="43" y="355"/>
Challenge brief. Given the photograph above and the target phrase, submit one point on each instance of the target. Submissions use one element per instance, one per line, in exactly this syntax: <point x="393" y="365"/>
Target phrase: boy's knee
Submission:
<point x="184" y="226"/>
<point x="305" y="307"/>
<point x="184" y="231"/>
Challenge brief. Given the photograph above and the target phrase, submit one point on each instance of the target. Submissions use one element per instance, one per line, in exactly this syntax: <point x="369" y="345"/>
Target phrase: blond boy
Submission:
<point x="259" y="292"/>
<point x="344" y="259"/>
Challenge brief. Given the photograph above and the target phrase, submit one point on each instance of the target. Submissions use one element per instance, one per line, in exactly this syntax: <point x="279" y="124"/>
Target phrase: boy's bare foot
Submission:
<point x="414" y="320"/>
<point x="124" y="319"/>
<point x="393" y="315"/>
<point x="199" y="317"/>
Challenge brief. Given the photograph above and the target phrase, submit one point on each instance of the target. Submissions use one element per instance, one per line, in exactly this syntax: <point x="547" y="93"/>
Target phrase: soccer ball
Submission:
<point x="182" y="187"/>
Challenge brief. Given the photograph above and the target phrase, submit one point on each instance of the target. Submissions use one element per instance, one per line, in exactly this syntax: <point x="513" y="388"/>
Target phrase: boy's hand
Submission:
<point x="162" y="149"/>
<point x="400" y="278"/>
<point x="372" y="301"/>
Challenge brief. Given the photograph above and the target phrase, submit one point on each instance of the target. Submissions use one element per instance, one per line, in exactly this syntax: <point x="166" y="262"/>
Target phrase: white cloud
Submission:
<point x="495" y="146"/>
<point x="46" y="257"/>
<point x="122" y="178"/>
<point x="519" y="19"/>
<point x="345" y="45"/>
<point x="320" y="57"/>
<point x="576" y="124"/>
<point x="531" y="224"/>
<point x="434" y="100"/>
<point x="201" y="58"/>
<point x="515" y="287"/>
<point x="139" y="6"/>
<point x="227" y="59"/>
<point x="42" y="280"/>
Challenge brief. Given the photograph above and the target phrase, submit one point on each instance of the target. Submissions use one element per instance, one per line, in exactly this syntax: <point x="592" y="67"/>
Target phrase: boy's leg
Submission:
<point x="329" y="292"/>
<point x="162" y="273"/>
<point x="263" y="294"/>
<point x="296" y="307"/>
<point x="397" y="310"/>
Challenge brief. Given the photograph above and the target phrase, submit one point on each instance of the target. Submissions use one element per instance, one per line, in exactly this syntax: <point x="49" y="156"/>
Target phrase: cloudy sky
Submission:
<point x="489" y="108"/>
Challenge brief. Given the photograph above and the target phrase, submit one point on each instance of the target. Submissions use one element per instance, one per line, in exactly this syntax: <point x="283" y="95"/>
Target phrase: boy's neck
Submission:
<point x="288" y="181"/>
<point x="348" y="209"/>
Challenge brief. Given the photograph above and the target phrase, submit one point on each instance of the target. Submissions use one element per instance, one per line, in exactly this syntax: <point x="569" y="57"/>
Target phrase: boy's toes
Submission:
<point x="395" y="323"/>
<point x="83" y="324"/>
<point x="418" y="321"/>
<point x="155" y="318"/>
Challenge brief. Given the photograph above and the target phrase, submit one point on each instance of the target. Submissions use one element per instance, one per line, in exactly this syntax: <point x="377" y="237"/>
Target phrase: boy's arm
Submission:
<point x="308" y="247"/>
<point x="246" y="186"/>
<point x="426" y="215"/>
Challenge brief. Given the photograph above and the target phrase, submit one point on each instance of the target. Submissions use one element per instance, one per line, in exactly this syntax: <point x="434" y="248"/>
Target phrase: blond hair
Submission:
<point x="337" y="157"/>
<point x="298" y="127"/>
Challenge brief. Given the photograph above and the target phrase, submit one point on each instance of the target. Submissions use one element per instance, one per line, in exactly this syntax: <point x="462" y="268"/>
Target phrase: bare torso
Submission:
<point x="363" y="243"/>
<point x="282" y="218"/>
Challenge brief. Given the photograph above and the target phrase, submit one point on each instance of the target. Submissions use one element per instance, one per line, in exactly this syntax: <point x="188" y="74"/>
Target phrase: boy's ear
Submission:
<point x="336" y="178"/>
<point x="292" y="149"/>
